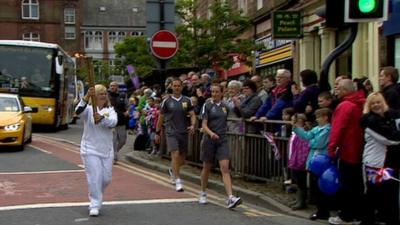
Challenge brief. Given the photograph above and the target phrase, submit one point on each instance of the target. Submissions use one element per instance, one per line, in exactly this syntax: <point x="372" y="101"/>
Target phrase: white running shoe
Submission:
<point x="171" y="176"/>
<point x="178" y="185"/>
<point x="203" y="198"/>
<point x="234" y="201"/>
<point x="336" y="220"/>
<point x="94" y="212"/>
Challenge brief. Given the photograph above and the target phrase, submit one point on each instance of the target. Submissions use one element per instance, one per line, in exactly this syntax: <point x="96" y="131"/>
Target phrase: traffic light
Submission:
<point x="365" y="10"/>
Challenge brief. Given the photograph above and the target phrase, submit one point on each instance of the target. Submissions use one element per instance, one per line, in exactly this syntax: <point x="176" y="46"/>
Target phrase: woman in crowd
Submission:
<point x="97" y="143"/>
<point x="381" y="161"/>
<point x="234" y="88"/>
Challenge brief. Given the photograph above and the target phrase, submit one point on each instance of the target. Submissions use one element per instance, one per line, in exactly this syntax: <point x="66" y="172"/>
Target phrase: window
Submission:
<point x="259" y="4"/>
<point x="114" y="38"/>
<point x="242" y="4"/>
<point x="69" y="16"/>
<point x="137" y="33"/>
<point x="69" y="32"/>
<point x="31" y="36"/>
<point x="30" y="9"/>
<point x="94" y="40"/>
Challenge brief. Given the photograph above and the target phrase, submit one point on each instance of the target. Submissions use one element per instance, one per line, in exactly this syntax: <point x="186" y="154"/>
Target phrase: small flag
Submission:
<point x="270" y="138"/>
<point x="378" y="176"/>
<point x="131" y="69"/>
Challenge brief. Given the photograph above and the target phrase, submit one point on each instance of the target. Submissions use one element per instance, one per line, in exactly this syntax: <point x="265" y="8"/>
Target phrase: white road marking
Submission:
<point x="73" y="204"/>
<point x="42" y="172"/>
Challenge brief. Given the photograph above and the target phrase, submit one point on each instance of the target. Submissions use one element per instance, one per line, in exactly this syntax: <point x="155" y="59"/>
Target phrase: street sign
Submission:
<point x="164" y="44"/>
<point x="287" y="25"/>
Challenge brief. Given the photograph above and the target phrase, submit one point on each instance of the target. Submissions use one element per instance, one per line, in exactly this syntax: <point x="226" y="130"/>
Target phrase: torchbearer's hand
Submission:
<point x="97" y="117"/>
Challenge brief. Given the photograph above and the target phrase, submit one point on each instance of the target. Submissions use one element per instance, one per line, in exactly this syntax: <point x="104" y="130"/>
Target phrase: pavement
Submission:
<point x="264" y="194"/>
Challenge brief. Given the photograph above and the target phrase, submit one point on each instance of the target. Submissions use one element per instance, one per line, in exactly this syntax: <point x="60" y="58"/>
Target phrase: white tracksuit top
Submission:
<point x="97" y="139"/>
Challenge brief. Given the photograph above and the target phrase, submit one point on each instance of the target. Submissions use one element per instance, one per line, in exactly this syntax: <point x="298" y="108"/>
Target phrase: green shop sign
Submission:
<point x="286" y="25"/>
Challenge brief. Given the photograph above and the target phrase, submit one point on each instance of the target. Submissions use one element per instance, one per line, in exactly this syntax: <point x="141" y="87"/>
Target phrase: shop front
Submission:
<point x="276" y="54"/>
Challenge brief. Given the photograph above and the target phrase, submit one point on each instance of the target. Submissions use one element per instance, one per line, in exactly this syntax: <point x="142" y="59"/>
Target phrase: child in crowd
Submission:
<point x="298" y="152"/>
<point x="133" y="114"/>
<point x="151" y="121"/>
<point x="327" y="100"/>
<point x="318" y="138"/>
<point x="285" y="130"/>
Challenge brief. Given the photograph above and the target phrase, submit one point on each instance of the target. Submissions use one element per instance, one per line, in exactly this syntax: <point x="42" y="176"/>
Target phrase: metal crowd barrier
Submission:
<point x="252" y="156"/>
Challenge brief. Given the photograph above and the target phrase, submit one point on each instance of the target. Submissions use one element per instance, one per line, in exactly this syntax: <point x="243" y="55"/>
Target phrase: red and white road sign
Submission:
<point x="164" y="44"/>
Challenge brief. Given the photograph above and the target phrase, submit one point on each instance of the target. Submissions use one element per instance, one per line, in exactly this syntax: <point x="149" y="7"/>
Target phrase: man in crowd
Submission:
<point x="281" y="97"/>
<point x="346" y="143"/>
<point x="260" y="88"/>
<point x="388" y="83"/>
<point x="120" y="104"/>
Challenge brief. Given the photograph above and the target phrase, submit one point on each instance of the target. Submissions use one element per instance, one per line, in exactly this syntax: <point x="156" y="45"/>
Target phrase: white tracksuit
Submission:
<point x="97" y="150"/>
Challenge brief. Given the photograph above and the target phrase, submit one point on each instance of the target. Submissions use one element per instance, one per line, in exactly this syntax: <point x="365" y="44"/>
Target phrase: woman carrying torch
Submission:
<point x="96" y="145"/>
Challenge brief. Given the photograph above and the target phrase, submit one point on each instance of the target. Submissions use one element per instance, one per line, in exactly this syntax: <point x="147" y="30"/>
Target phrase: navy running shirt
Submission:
<point x="216" y="116"/>
<point x="176" y="112"/>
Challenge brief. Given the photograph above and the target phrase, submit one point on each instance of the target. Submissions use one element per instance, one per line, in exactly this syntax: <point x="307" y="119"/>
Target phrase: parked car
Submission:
<point x="15" y="121"/>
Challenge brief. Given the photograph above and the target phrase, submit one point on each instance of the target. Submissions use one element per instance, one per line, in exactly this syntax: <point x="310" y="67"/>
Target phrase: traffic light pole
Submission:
<point x="324" y="76"/>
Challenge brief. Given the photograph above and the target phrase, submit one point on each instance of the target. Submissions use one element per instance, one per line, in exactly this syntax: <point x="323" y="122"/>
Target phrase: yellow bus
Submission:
<point x="43" y="74"/>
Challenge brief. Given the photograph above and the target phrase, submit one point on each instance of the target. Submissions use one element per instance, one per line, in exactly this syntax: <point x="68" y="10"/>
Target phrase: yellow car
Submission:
<point x="15" y="121"/>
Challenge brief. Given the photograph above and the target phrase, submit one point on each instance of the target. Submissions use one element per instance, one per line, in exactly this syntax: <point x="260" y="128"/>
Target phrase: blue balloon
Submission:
<point x="329" y="182"/>
<point x="319" y="163"/>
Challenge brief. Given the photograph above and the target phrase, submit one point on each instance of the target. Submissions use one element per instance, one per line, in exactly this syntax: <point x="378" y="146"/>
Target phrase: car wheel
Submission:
<point x="29" y="139"/>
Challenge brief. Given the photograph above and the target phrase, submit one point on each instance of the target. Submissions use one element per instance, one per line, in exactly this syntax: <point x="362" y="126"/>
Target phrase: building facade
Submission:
<point x="42" y="20"/>
<point x="106" y="23"/>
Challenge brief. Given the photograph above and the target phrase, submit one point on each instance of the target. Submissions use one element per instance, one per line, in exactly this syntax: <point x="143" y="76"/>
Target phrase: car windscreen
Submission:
<point x="9" y="104"/>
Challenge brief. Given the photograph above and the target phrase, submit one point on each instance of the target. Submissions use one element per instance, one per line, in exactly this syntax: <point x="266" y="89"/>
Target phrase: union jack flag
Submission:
<point x="270" y="138"/>
<point x="379" y="175"/>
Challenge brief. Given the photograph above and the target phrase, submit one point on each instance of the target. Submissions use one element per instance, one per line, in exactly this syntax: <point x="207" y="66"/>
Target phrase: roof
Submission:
<point x="29" y="43"/>
<point x="8" y="95"/>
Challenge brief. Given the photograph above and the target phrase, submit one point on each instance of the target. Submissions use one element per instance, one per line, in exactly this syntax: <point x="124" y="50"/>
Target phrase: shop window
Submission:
<point x="30" y="9"/>
<point x="69" y="16"/>
<point x="31" y="36"/>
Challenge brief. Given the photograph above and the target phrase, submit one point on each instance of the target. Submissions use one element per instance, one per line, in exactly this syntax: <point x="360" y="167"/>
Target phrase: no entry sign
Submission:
<point x="164" y="44"/>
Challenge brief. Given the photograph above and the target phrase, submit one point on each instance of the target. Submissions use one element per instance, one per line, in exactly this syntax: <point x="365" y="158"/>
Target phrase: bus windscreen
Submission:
<point x="28" y="69"/>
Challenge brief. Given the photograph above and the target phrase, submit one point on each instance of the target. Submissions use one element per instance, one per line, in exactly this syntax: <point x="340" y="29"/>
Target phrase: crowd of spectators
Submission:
<point x="326" y="122"/>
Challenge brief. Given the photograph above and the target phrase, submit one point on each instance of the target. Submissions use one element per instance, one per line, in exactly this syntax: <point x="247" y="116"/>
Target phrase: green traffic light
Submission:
<point x="367" y="6"/>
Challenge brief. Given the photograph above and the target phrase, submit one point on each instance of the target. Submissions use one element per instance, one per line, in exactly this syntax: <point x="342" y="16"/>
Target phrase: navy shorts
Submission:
<point x="212" y="150"/>
<point x="177" y="142"/>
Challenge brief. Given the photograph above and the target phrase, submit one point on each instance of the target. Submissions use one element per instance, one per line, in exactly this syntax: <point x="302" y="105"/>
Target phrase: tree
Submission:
<point x="208" y="41"/>
<point x="135" y="51"/>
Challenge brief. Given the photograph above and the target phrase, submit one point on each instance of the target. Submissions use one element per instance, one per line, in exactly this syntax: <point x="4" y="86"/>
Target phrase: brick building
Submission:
<point x="53" y="21"/>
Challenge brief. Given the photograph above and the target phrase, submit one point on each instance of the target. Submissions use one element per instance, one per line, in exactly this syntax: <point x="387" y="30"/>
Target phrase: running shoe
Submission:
<point x="203" y="198"/>
<point x="94" y="212"/>
<point x="336" y="220"/>
<point x="178" y="185"/>
<point x="234" y="201"/>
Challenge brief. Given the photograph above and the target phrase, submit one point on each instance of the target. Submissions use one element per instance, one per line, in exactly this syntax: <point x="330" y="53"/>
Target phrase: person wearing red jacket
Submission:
<point x="346" y="142"/>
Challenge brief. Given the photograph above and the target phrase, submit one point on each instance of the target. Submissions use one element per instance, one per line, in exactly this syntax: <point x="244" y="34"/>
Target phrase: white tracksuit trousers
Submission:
<point x="98" y="173"/>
